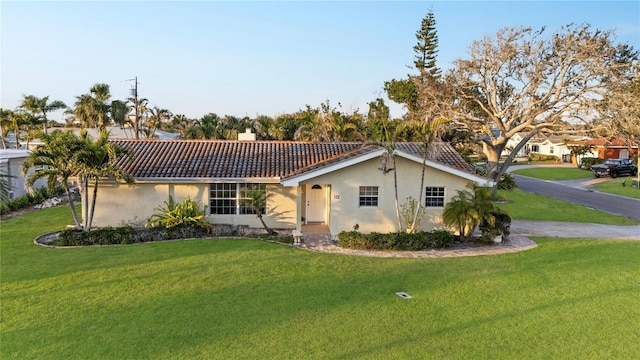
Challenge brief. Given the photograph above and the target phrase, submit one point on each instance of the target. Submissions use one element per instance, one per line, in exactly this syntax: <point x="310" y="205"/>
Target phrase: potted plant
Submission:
<point x="496" y="227"/>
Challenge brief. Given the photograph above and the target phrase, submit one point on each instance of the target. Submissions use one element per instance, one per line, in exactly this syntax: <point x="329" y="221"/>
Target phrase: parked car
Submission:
<point x="615" y="168"/>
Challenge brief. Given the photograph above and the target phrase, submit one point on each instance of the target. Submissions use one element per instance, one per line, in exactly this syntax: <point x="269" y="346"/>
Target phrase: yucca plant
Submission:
<point x="186" y="213"/>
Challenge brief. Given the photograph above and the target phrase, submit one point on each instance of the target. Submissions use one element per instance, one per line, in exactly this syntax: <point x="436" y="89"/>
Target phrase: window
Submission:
<point x="434" y="197"/>
<point x="232" y="198"/>
<point x="535" y="148"/>
<point x="550" y="149"/>
<point x="368" y="196"/>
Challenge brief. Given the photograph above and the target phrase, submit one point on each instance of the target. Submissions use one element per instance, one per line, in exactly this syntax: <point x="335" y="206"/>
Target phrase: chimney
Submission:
<point x="247" y="135"/>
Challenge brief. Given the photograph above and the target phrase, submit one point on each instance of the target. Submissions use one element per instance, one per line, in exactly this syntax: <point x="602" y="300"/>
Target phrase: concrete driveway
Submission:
<point x="559" y="229"/>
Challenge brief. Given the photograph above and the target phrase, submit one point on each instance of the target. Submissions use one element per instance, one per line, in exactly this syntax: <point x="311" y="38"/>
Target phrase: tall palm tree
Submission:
<point x="157" y="117"/>
<point x="55" y="161"/>
<point x="16" y="121"/>
<point x="101" y="108"/>
<point x="5" y="126"/>
<point x="41" y="106"/>
<point x="119" y="112"/>
<point x="30" y="125"/>
<point x="84" y="111"/>
<point x="98" y="160"/>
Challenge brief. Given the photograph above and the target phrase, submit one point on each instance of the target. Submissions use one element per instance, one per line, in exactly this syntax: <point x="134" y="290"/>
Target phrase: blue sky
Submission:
<point x="254" y="58"/>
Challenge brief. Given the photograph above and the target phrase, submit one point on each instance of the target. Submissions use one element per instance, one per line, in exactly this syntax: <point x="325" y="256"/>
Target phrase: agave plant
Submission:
<point x="186" y="213"/>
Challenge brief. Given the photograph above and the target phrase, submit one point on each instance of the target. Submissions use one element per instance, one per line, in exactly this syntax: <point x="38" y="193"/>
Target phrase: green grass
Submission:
<point x="247" y="299"/>
<point x="555" y="173"/>
<point x="614" y="186"/>
<point x="526" y="206"/>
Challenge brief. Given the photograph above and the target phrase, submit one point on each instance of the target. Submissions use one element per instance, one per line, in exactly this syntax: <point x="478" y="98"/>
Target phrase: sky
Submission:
<point x="250" y="58"/>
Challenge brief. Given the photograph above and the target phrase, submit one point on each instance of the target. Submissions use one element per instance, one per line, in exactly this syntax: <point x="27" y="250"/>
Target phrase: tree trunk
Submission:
<point x="419" y="202"/>
<point x="93" y="204"/>
<point x="269" y="230"/>
<point x="73" y="208"/>
<point x="395" y="185"/>
<point x="85" y="201"/>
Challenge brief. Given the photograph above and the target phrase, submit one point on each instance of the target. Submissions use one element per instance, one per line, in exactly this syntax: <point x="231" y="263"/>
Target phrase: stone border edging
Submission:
<point x="515" y="244"/>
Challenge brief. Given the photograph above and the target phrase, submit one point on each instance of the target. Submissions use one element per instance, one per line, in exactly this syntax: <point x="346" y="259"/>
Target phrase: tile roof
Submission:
<point x="193" y="159"/>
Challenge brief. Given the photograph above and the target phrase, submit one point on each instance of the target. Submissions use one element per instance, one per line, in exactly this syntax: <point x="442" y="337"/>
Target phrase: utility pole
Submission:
<point x="134" y="94"/>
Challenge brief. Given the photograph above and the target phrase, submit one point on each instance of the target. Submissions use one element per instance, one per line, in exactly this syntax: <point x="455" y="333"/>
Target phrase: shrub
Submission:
<point x="543" y="157"/>
<point x="186" y="213"/>
<point x="101" y="236"/>
<point x="401" y="241"/>
<point x="587" y="162"/>
<point x="507" y="182"/>
<point x="38" y="196"/>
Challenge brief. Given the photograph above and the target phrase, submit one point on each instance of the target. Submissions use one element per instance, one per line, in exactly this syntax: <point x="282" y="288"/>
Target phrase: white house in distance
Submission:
<point x="552" y="145"/>
<point x="337" y="184"/>
<point x="11" y="164"/>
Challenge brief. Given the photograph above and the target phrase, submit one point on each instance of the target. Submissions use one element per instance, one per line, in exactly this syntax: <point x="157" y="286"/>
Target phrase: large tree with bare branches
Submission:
<point x="528" y="81"/>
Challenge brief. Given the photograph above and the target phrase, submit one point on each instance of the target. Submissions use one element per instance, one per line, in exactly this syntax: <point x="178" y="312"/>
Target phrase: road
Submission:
<point x="613" y="204"/>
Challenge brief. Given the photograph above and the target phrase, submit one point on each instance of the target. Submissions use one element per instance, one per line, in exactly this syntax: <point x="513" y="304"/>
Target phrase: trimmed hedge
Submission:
<point x="543" y="157"/>
<point x="395" y="241"/>
<point x="126" y="235"/>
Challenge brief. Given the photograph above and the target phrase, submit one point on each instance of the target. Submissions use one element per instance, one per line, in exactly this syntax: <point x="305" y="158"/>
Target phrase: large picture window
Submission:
<point x="434" y="196"/>
<point x="233" y="198"/>
<point x="368" y="196"/>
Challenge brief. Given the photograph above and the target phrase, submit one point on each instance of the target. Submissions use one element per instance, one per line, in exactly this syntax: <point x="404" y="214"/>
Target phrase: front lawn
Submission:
<point x="614" y="186"/>
<point x="555" y="173"/>
<point x="526" y="206"/>
<point x="248" y="299"/>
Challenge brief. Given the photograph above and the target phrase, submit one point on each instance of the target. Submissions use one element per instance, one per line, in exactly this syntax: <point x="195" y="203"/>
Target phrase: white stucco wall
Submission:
<point x="344" y="194"/>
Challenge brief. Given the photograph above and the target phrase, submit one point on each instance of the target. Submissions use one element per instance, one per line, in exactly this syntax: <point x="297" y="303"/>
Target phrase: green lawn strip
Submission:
<point x="526" y="206"/>
<point x="243" y="298"/>
<point x="554" y="173"/>
<point x="615" y="186"/>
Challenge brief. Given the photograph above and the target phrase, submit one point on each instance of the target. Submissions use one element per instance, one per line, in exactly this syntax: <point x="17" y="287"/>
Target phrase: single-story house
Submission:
<point x="552" y="145"/>
<point x="11" y="165"/>
<point x="608" y="148"/>
<point x="338" y="184"/>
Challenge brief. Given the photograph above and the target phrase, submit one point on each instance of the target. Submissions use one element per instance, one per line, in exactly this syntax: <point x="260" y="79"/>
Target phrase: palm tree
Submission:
<point x="5" y="187"/>
<point x="101" y="108"/>
<point x="55" y="161"/>
<point x="156" y="119"/>
<point x="84" y="111"/>
<point x="16" y="120"/>
<point x="30" y="125"/>
<point x="119" y="112"/>
<point x="257" y="200"/>
<point x="5" y="126"/>
<point x="98" y="160"/>
<point x="39" y="106"/>
<point x="470" y="208"/>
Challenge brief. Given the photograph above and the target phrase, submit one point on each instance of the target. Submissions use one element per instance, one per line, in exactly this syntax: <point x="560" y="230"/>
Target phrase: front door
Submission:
<point x="316" y="203"/>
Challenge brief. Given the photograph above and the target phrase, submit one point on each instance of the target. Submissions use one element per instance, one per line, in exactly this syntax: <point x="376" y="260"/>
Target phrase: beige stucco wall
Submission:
<point x="343" y="198"/>
<point x="120" y="204"/>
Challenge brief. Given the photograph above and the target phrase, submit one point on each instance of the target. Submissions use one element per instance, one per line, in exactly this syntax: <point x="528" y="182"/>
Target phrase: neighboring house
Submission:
<point x="533" y="145"/>
<point x="609" y="148"/>
<point x="553" y="145"/>
<point x="338" y="184"/>
<point x="11" y="164"/>
<point x="118" y="132"/>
